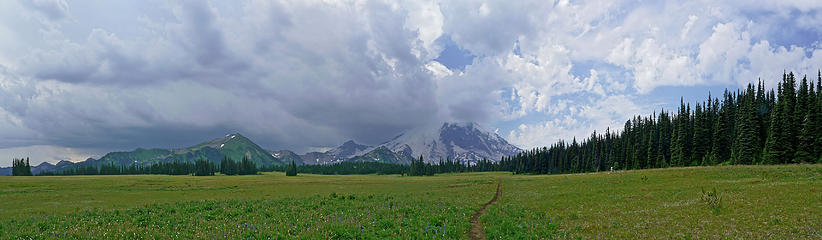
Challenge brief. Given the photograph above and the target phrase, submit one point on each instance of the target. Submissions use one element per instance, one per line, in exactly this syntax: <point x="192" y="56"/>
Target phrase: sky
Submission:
<point x="79" y="79"/>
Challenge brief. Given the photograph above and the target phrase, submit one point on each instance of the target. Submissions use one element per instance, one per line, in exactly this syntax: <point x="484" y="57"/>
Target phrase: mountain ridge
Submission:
<point x="466" y="142"/>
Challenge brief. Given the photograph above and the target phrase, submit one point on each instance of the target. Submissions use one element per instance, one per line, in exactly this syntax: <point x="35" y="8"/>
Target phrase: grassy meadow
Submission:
<point x="751" y="202"/>
<point x="683" y="203"/>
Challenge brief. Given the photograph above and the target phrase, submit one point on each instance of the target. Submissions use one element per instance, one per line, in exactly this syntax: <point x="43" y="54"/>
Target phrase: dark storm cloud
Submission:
<point x="200" y="36"/>
<point x="190" y="48"/>
<point x="314" y="76"/>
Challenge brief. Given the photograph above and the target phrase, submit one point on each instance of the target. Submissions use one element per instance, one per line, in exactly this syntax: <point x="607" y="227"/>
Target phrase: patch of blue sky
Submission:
<point x="572" y="100"/>
<point x="776" y="32"/>
<point x="517" y="51"/>
<point x="453" y="56"/>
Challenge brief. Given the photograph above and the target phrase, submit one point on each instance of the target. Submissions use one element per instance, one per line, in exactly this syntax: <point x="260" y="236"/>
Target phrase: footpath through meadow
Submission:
<point x="476" y="226"/>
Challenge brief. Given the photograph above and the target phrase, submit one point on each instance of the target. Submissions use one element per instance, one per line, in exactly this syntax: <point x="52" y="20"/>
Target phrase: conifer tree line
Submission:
<point x="349" y="168"/>
<point x="749" y="126"/>
<point x="243" y="167"/>
<point x="204" y="167"/>
<point x="201" y="167"/>
<point x="20" y="167"/>
<point x="420" y="168"/>
<point x="415" y="168"/>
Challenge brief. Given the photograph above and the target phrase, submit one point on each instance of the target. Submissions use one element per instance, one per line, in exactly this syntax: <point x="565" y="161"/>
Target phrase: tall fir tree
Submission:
<point x="681" y="146"/>
<point x="815" y="120"/>
<point x="805" y="139"/>
<point x="653" y="144"/>
<point x="721" y="147"/>
<point x="793" y="120"/>
<point x="701" y="140"/>
<point x="664" y="149"/>
<point x="746" y="145"/>
<point x="291" y="169"/>
<point x="779" y="146"/>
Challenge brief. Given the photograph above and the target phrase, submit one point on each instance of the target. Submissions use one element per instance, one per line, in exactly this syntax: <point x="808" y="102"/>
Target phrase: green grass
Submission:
<point x="261" y="206"/>
<point x="783" y="202"/>
<point x="753" y="202"/>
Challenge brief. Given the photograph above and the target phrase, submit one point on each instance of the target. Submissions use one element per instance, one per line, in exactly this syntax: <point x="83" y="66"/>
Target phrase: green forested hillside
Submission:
<point x="234" y="146"/>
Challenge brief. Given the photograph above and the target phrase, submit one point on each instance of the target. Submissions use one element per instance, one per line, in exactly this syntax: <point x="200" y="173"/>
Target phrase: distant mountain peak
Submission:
<point x="217" y="143"/>
<point x="62" y="163"/>
<point x="469" y="125"/>
<point x="464" y="141"/>
<point x="384" y="155"/>
<point x="45" y="164"/>
<point x="347" y="150"/>
<point x="350" y="143"/>
<point x="234" y="137"/>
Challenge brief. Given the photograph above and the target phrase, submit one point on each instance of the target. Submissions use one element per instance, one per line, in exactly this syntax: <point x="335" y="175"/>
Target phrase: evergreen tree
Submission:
<point x="27" y="168"/>
<point x="805" y="148"/>
<point x="204" y="168"/>
<point x="804" y="151"/>
<point x="420" y="168"/>
<point x="779" y="148"/>
<point x="247" y="167"/>
<point x="680" y="146"/>
<point x="20" y="167"/>
<point x="291" y="169"/>
<point x="229" y="166"/>
<point x="815" y="120"/>
<point x="653" y="146"/>
<point x="701" y="140"/>
<point x="792" y="119"/>
<point x="15" y="168"/>
<point x="721" y="147"/>
<point x="664" y="149"/>
<point x="746" y="145"/>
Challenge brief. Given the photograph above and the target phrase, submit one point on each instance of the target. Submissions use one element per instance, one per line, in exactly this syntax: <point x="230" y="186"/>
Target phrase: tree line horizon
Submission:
<point x="749" y="126"/>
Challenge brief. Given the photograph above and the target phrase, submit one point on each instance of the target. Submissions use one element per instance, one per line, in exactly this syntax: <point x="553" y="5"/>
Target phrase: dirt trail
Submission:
<point x="476" y="226"/>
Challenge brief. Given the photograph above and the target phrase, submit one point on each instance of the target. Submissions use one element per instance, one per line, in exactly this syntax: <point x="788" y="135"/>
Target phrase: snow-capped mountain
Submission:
<point x="348" y="150"/>
<point x="467" y="142"/>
